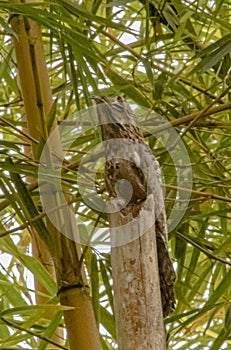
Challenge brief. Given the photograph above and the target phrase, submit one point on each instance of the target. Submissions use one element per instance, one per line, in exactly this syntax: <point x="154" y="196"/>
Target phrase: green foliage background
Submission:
<point x="172" y="57"/>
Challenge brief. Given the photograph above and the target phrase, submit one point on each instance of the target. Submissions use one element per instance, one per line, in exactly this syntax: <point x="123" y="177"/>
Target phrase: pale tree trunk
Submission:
<point x="143" y="275"/>
<point x="63" y="257"/>
<point x="138" y="309"/>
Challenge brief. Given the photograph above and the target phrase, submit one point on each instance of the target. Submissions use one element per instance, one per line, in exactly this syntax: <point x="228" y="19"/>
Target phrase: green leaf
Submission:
<point x="213" y="54"/>
<point x="40" y="272"/>
<point x="29" y="208"/>
<point x="95" y="285"/>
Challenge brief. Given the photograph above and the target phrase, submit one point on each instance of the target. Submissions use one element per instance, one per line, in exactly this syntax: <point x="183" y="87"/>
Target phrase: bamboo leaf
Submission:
<point x="147" y="52"/>
<point x="50" y="330"/>
<point x="95" y="285"/>
<point x="107" y="285"/>
<point x="41" y="273"/>
<point x="108" y="321"/>
<point x="213" y="54"/>
<point x="29" y="208"/>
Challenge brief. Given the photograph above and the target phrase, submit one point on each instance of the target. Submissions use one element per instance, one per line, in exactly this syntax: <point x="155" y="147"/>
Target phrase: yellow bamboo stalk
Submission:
<point x="37" y="99"/>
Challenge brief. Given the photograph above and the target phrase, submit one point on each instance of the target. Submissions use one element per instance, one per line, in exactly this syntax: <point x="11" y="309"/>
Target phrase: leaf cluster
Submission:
<point x="171" y="58"/>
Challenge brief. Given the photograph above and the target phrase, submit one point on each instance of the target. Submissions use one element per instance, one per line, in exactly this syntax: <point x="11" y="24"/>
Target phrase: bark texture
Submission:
<point x="142" y="269"/>
<point x="131" y="175"/>
<point x="138" y="309"/>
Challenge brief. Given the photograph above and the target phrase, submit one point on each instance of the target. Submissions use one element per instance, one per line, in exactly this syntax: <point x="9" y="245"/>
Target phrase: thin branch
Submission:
<point x="187" y="118"/>
<point x="6" y="122"/>
<point x="34" y="334"/>
<point x="201" y="248"/>
<point x="199" y="193"/>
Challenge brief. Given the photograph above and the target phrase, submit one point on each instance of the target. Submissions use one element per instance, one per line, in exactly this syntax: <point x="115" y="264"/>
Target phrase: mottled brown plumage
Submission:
<point x="131" y="174"/>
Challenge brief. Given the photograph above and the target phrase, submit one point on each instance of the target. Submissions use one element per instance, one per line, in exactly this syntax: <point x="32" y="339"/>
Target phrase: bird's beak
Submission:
<point x="97" y="99"/>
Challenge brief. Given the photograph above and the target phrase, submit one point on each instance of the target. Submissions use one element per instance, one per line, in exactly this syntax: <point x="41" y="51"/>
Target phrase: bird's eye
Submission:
<point x="117" y="106"/>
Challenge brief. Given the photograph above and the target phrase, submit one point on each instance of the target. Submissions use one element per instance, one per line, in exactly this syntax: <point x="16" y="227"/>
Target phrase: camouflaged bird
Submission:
<point x="131" y="174"/>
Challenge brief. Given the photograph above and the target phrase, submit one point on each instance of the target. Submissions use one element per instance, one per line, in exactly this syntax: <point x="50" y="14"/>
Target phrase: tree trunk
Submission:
<point x="138" y="309"/>
<point x="142" y="270"/>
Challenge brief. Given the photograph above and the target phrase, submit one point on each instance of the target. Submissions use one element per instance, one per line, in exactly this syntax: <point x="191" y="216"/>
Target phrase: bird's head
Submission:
<point x="113" y="110"/>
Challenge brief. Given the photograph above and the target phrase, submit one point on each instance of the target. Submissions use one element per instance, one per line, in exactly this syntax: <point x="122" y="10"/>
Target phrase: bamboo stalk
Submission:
<point x="37" y="99"/>
<point x="138" y="309"/>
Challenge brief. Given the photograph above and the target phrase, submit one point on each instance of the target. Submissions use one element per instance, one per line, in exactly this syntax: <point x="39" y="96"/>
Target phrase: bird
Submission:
<point x="131" y="174"/>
